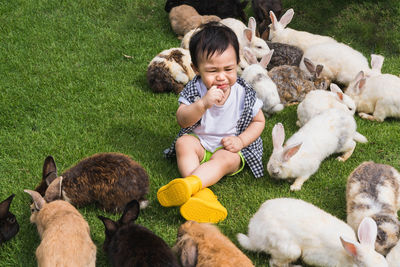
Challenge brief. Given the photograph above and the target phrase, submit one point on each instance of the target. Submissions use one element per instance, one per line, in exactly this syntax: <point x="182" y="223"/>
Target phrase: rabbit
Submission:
<point x="393" y="257"/>
<point x="64" y="232"/>
<point x="109" y="179"/>
<point x="341" y="62"/>
<point x="203" y="245"/>
<point x="130" y="244"/>
<point x="332" y="131"/>
<point x="9" y="226"/>
<point x="293" y="84"/>
<point x="373" y="190"/>
<point x="186" y="39"/>
<point x="221" y="8"/>
<point x="257" y="76"/>
<point x="184" y="18"/>
<point x="284" y="54"/>
<point x="290" y="229"/>
<point x="379" y="95"/>
<point x="247" y="38"/>
<point x="303" y="40"/>
<point x="261" y="10"/>
<point x="170" y="71"/>
<point x="318" y="101"/>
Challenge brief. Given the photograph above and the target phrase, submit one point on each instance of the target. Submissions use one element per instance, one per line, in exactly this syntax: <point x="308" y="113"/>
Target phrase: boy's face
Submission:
<point x="218" y="70"/>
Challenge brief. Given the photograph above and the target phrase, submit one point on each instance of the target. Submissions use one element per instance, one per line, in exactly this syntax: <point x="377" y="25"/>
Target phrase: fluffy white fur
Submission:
<point x="290" y="229"/>
<point x="247" y="38"/>
<point x="332" y="131"/>
<point x="186" y="38"/>
<point x="393" y="257"/>
<point x="318" y="101"/>
<point x="64" y="232"/>
<point x="379" y="95"/>
<point x="256" y="74"/>
<point x="280" y="33"/>
<point x="341" y="62"/>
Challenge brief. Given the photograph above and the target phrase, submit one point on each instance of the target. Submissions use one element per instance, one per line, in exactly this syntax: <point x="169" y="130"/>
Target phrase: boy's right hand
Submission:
<point x="213" y="96"/>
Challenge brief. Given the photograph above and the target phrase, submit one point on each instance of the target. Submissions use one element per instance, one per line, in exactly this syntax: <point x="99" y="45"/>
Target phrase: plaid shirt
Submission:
<point x="253" y="152"/>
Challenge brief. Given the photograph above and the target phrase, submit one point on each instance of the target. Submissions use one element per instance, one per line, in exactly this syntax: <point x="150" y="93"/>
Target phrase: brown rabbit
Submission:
<point x="109" y="179"/>
<point x="293" y="83"/>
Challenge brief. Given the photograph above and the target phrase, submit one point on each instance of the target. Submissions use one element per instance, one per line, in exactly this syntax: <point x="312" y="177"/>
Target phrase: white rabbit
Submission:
<point x="279" y="33"/>
<point x="290" y="229"/>
<point x="247" y="38"/>
<point x="256" y="74"/>
<point x="373" y="190"/>
<point x="341" y="62"/>
<point x="393" y="257"/>
<point x="332" y="131"/>
<point x="318" y="101"/>
<point x="379" y="95"/>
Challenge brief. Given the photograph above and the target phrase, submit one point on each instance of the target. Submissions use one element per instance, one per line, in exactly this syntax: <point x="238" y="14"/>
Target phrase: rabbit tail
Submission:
<point x="277" y="108"/>
<point x="245" y="241"/>
<point x="360" y="138"/>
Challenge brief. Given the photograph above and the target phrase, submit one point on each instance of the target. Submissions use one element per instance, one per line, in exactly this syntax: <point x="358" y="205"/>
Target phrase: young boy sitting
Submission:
<point x="221" y="122"/>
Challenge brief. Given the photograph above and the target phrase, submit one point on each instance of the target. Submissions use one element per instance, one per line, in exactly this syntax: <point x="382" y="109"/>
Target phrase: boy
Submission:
<point x="221" y="122"/>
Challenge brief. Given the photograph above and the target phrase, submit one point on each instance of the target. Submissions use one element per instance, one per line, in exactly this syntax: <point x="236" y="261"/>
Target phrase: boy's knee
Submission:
<point x="227" y="158"/>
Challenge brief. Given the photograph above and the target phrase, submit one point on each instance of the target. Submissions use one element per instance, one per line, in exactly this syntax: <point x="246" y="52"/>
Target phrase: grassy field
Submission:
<point x="67" y="90"/>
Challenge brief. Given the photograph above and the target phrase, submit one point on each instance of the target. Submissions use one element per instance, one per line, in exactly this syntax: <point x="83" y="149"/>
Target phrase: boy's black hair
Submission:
<point x="211" y="38"/>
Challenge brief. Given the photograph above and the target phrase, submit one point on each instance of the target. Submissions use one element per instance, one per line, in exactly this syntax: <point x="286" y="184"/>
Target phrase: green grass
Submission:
<point x="67" y="90"/>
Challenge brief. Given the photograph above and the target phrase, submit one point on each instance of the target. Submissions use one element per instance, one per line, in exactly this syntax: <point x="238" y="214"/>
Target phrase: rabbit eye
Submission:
<point x="11" y="220"/>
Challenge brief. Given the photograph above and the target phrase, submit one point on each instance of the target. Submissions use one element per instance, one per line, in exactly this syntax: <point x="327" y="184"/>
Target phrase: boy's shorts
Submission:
<point x="208" y="154"/>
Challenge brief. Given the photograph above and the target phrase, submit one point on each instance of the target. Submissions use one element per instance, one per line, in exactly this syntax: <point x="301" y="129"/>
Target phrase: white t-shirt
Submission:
<point x="220" y="121"/>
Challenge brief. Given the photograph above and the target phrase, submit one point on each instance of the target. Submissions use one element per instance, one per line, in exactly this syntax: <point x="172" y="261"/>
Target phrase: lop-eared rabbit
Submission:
<point x="64" y="232"/>
<point x="332" y="131"/>
<point x="377" y="95"/>
<point x="373" y="190"/>
<point x="256" y="74"/>
<point x="130" y="244"/>
<point x="184" y="18"/>
<point x="108" y="179"/>
<point x="9" y="226"/>
<point x="281" y="34"/>
<point x="318" y="101"/>
<point x="289" y="229"/>
<point x="203" y="245"/>
<point x="170" y="70"/>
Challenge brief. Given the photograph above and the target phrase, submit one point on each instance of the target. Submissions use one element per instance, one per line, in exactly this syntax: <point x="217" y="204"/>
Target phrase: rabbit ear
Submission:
<point x="290" y="151"/>
<point x="334" y="88"/>
<point x="367" y="231"/>
<point x="5" y="206"/>
<point x="252" y="25"/>
<point x="109" y="224"/>
<point x="248" y="34"/>
<point x="359" y="76"/>
<point x="54" y="190"/>
<point x="350" y="247"/>
<point x="359" y="87"/>
<point x="376" y="62"/>
<point x="249" y="56"/>
<point x="38" y="200"/>
<point x="131" y="212"/>
<point x="274" y="21"/>
<point x="278" y="136"/>
<point x="309" y="65"/>
<point x="318" y="70"/>
<point x="188" y="252"/>
<point x="286" y="18"/>
<point x="49" y="170"/>
<point x="266" y="59"/>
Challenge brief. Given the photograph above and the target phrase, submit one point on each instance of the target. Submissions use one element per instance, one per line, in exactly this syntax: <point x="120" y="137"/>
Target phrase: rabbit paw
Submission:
<point x="366" y="116"/>
<point x="295" y="187"/>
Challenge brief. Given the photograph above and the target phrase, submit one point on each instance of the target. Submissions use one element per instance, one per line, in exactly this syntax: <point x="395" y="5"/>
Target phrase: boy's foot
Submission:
<point x="203" y="207"/>
<point x="178" y="191"/>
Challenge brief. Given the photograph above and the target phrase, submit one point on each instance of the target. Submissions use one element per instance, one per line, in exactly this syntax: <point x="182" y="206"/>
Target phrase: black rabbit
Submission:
<point x="9" y="226"/>
<point x="130" y="244"/>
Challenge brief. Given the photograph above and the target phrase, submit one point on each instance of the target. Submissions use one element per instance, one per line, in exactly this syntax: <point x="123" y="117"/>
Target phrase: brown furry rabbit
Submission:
<point x="109" y="179"/>
<point x="293" y="84"/>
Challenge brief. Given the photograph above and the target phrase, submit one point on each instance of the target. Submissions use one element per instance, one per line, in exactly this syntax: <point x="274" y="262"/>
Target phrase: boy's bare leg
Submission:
<point x="221" y="163"/>
<point x="189" y="153"/>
